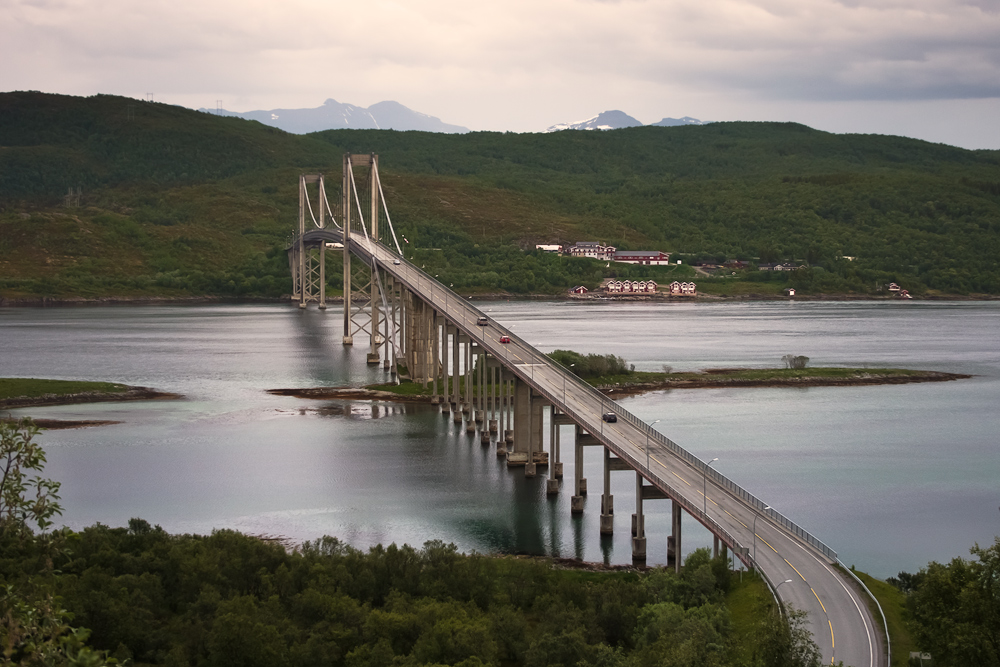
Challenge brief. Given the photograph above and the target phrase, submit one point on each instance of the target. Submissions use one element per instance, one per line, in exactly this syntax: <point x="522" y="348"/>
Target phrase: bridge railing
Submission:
<point x="609" y="405"/>
<point x="655" y="437"/>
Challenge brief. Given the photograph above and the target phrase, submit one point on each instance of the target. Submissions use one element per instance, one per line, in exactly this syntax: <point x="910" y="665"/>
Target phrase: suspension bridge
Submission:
<point x="499" y="386"/>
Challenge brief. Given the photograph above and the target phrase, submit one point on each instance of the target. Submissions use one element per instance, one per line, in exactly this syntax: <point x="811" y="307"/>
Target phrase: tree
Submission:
<point x="34" y="626"/>
<point x="24" y="500"/>
<point x="792" y="361"/>
<point x="956" y="609"/>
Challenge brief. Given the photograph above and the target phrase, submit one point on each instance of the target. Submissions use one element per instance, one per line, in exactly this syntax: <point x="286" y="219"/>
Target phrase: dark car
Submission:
<point x="609" y="417"/>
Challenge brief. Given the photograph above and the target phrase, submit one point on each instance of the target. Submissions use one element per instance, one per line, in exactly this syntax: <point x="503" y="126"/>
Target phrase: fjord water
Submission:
<point x="889" y="476"/>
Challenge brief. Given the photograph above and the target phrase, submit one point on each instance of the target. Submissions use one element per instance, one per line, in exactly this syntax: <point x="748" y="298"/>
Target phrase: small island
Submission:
<point x="33" y="392"/>
<point x="615" y="377"/>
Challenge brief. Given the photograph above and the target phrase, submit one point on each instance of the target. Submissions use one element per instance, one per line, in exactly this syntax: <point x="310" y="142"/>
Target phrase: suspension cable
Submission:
<point x="378" y="179"/>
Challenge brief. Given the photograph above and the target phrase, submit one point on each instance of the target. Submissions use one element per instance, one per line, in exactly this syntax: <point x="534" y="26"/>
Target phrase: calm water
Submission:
<point x="889" y="476"/>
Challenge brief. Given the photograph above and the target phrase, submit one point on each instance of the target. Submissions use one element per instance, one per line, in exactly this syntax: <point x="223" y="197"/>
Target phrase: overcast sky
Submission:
<point x="922" y="68"/>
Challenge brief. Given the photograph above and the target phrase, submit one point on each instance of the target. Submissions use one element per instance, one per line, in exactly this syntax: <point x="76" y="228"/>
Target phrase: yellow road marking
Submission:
<point x="818" y="600"/>
<point x="772" y="548"/>
<point x="833" y="643"/>
<point x="796" y="571"/>
<point x="737" y="520"/>
<point x="680" y="478"/>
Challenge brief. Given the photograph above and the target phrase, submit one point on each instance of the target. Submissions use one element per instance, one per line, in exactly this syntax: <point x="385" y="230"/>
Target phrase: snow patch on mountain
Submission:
<point x="336" y="115"/>
<point x="613" y="120"/>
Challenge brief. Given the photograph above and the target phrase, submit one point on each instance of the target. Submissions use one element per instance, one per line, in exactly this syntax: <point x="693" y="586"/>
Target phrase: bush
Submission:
<point x="792" y="361"/>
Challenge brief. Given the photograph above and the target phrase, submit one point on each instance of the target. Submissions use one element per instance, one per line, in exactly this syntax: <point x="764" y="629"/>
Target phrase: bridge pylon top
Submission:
<point x="360" y="159"/>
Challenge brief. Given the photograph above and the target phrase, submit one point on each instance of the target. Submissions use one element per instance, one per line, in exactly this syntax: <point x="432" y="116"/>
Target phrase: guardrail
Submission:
<point x="888" y="643"/>
<point x="471" y="314"/>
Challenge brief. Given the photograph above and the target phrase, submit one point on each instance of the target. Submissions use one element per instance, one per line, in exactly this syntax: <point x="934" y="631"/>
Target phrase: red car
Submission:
<point x="504" y="339"/>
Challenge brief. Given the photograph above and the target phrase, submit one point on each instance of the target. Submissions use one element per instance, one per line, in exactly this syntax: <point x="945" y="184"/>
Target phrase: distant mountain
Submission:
<point x="609" y="120"/>
<point x="613" y="120"/>
<point x="686" y="120"/>
<point x="333" y="116"/>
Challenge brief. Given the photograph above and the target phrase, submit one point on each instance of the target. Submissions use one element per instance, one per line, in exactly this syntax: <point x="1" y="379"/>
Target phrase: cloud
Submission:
<point x="493" y="59"/>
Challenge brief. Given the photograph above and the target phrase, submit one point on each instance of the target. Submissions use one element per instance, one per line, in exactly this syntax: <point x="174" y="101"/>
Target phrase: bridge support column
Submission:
<point x="373" y="358"/>
<point x="345" y="220"/>
<point x="456" y="400"/>
<point x="388" y="323"/>
<point x="552" y="484"/>
<point x="674" y="549"/>
<point x="435" y="356"/>
<point x="520" y="453"/>
<point x="579" y="481"/>
<point x="322" y="253"/>
<point x="536" y="451"/>
<point x="715" y="546"/>
<point x="607" y="500"/>
<point x="470" y="384"/>
<point x="639" y="541"/>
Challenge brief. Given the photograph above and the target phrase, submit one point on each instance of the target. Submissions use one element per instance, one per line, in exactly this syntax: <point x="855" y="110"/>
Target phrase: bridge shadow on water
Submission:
<point x="323" y="358"/>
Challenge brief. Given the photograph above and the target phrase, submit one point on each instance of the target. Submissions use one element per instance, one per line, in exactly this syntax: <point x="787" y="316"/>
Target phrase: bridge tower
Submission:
<point x="362" y="294"/>
<point x="307" y="259"/>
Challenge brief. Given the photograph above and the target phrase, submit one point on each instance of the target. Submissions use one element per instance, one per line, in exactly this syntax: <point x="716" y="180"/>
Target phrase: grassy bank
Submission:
<point x="893" y="603"/>
<point x="637" y="381"/>
<point x="11" y="388"/>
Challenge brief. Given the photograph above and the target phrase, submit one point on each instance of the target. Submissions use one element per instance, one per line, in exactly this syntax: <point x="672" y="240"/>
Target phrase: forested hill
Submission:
<point x="181" y="202"/>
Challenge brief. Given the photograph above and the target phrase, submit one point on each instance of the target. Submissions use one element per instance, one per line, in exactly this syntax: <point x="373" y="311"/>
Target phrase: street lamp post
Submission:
<point x="647" y="441"/>
<point x="704" y="488"/>
<point x="766" y="507"/>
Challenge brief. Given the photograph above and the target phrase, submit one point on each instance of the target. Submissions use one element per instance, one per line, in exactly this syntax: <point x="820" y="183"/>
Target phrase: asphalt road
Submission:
<point x="837" y="611"/>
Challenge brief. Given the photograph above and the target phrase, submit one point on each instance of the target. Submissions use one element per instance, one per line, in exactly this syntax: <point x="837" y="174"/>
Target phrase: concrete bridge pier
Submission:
<point x="435" y="357"/>
<point x="455" y="400"/>
<point x="607" y="499"/>
<point x="470" y="387"/>
<point x="456" y="371"/>
<point x="536" y="450"/>
<point x="522" y="413"/>
<point x="560" y="419"/>
<point x="552" y="484"/>
<point x="674" y="548"/>
<point x="579" y="481"/>
<point x="493" y="409"/>
<point x="639" y="525"/>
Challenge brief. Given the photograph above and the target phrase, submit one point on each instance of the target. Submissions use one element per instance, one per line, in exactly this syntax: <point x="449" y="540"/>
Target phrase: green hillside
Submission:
<point x="178" y="202"/>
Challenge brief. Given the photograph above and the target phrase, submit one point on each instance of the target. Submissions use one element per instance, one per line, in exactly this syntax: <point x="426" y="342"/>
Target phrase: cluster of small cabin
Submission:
<point x="630" y="287"/>
<point x="682" y="288"/>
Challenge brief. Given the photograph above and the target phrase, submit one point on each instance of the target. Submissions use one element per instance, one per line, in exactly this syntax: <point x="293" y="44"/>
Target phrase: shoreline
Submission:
<point x="708" y="381"/>
<point x="132" y="394"/>
<point x="66" y="302"/>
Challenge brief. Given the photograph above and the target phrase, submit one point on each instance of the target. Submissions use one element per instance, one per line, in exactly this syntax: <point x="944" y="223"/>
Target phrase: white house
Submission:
<point x="649" y="257"/>
<point x="548" y="247"/>
<point x="592" y="249"/>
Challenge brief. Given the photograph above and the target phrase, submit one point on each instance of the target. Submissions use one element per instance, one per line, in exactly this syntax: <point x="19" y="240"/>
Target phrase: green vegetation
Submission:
<point x="149" y="598"/>
<point x="33" y="387"/>
<point x="752" y="375"/>
<point x="893" y="604"/>
<point x="180" y="203"/>
<point x="954" y="609"/>
<point x="592" y="366"/>
<point x="34" y="626"/>
<point x="621" y="375"/>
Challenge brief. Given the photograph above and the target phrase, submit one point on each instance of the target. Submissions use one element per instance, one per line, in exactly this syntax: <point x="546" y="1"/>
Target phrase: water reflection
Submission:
<point x="862" y="468"/>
